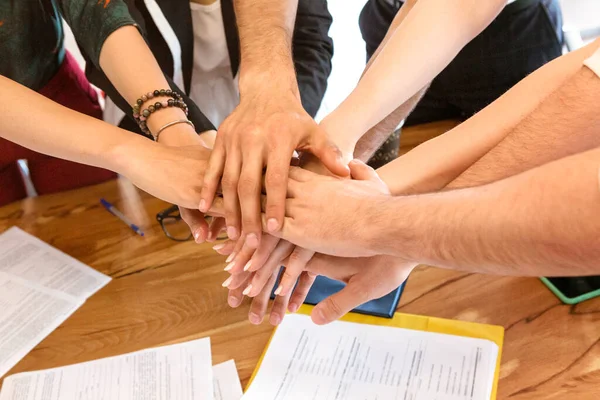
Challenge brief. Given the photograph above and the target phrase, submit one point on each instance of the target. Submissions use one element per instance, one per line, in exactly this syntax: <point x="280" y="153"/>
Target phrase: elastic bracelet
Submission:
<point x="142" y="115"/>
<point x="179" y="121"/>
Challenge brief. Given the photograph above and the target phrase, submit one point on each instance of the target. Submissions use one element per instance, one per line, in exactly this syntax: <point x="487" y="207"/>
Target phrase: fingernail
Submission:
<point x="272" y="225"/>
<point x="278" y="291"/>
<point x="229" y="266"/>
<point x="219" y="246"/>
<point x="246" y="291"/>
<point x="248" y="265"/>
<point x="210" y="236"/>
<point x="230" y="258"/>
<point x="252" y="240"/>
<point x="202" y="206"/>
<point x="275" y="319"/>
<point x="196" y="236"/>
<point x="319" y="316"/>
<point x="254" y="319"/>
<point x="227" y="281"/>
<point x="233" y="301"/>
<point x="231" y="232"/>
<point x="293" y="307"/>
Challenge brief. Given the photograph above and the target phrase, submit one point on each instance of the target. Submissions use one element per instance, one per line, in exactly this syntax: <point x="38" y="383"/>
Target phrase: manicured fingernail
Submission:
<point x="229" y="266"/>
<point x="275" y="319"/>
<point x="230" y="258"/>
<point x="293" y="307"/>
<point x="227" y="282"/>
<point x="219" y="246"/>
<point x="278" y="291"/>
<point x="272" y="225"/>
<point x="254" y="319"/>
<point x="233" y="301"/>
<point x="202" y="206"/>
<point x="248" y="265"/>
<point x="252" y="240"/>
<point x="232" y="232"/>
<point x="246" y="291"/>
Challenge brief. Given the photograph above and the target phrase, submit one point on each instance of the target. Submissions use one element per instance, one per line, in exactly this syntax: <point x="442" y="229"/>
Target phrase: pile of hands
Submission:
<point x="305" y="213"/>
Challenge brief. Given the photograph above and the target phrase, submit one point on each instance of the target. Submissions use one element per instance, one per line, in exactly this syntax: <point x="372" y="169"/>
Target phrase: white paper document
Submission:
<point x="176" y="372"/>
<point x="29" y="258"/>
<point x="28" y="313"/>
<point x="347" y="361"/>
<point x="226" y="382"/>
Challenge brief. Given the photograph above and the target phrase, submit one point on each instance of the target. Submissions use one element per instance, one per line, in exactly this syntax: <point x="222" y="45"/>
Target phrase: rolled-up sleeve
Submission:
<point x="92" y="21"/>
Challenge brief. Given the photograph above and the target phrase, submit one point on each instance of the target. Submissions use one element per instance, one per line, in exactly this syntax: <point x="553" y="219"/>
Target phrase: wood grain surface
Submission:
<point x="166" y="292"/>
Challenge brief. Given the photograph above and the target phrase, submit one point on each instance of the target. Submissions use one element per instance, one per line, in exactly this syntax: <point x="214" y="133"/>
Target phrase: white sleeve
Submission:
<point x="593" y="62"/>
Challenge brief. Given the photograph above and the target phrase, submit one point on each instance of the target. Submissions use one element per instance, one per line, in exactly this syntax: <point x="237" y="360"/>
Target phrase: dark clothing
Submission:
<point x="70" y="88"/>
<point x="312" y="51"/>
<point x="526" y="35"/>
<point x="31" y="34"/>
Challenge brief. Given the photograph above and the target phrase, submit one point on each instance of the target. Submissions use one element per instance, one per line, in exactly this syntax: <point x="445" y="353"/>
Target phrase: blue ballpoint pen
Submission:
<point x="111" y="209"/>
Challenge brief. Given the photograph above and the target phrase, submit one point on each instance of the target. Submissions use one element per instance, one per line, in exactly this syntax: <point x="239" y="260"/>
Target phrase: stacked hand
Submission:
<point x="262" y="132"/>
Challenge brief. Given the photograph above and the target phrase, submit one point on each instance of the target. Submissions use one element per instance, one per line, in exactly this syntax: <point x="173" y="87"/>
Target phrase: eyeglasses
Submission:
<point x="174" y="226"/>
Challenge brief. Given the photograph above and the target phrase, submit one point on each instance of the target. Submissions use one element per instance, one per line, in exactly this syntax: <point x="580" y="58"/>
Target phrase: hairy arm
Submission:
<point x="545" y="221"/>
<point x="478" y="149"/>
<point x="266" y="29"/>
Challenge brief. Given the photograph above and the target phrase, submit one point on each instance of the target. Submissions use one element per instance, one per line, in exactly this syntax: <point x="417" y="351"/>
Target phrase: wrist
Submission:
<point x="344" y="136"/>
<point x="399" y="228"/>
<point x="263" y="79"/>
<point x="125" y="153"/>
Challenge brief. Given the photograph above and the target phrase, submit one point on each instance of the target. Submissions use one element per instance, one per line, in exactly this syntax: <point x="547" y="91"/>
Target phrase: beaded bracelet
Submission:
<point x="142" y="115"/>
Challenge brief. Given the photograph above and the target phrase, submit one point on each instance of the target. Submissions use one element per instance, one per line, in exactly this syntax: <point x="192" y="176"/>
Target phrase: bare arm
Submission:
<point x="545" y="221"/>
<point x="430" y="36"/>
<point x="172" y="174"/>
<point x="496" y="129"/>
<point x="368" y="144"/>
<point x="131" y="67"/>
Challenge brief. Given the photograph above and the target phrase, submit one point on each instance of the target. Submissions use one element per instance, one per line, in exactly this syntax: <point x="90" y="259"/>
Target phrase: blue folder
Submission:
<point x="382" y="307"/>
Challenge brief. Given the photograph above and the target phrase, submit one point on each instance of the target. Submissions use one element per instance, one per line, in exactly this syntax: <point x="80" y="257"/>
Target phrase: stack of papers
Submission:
<point x="347" y="361"/>
<point x="40" y="287"/>
<point x="175" y="372"/>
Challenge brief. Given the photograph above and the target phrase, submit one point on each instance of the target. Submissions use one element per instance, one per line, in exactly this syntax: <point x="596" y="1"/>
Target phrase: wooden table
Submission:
<point x="165" y="292"/>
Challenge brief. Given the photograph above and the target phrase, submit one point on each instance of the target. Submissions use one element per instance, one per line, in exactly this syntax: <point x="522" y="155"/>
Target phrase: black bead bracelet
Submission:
<point x="142" y="115"/>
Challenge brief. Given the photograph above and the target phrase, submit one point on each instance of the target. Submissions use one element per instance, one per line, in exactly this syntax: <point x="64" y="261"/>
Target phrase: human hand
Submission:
<point x="181" y="135"/>
<point x="173" y="174"/>
<point x="329" y="226"/>
<point x="239" y="283"/>
<point x="366" y="279"/>
<point x="263" y="131"/>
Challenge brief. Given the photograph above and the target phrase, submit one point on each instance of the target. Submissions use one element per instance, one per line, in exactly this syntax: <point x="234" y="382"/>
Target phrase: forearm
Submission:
<point x="431" y="35"/>
<point x="266" y="29"/>
<point x="436" y="163"/>
<point x="372" y="140"/>
<point x="545" y="221"/>
<point x="567" y="122"/>
<point x="60" y="132"/>
<point x="131" y="67"/>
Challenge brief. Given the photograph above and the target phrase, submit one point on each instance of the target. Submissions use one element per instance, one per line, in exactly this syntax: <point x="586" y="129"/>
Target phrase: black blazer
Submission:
<point x="312" y="52"/>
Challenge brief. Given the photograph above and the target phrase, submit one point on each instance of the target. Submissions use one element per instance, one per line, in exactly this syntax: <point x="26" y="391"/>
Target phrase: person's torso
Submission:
<point x="31" y="41"/>
<point x="213" y="87"/>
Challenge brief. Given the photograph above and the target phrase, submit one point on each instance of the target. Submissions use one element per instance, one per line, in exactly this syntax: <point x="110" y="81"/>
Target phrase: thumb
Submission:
<point x="195" y="220"/>
<point x="329" y="154"/>
<point x="340" y="303"/>
<point x="362" y="172"/>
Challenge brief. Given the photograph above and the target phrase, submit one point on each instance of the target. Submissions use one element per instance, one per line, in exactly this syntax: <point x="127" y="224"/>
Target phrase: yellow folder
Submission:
<point x="417" y="322"/>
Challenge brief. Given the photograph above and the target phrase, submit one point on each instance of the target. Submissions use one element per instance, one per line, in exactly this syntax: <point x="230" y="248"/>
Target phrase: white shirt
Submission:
<point x="593" y="62"/>
<point x="213" y="88"/>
